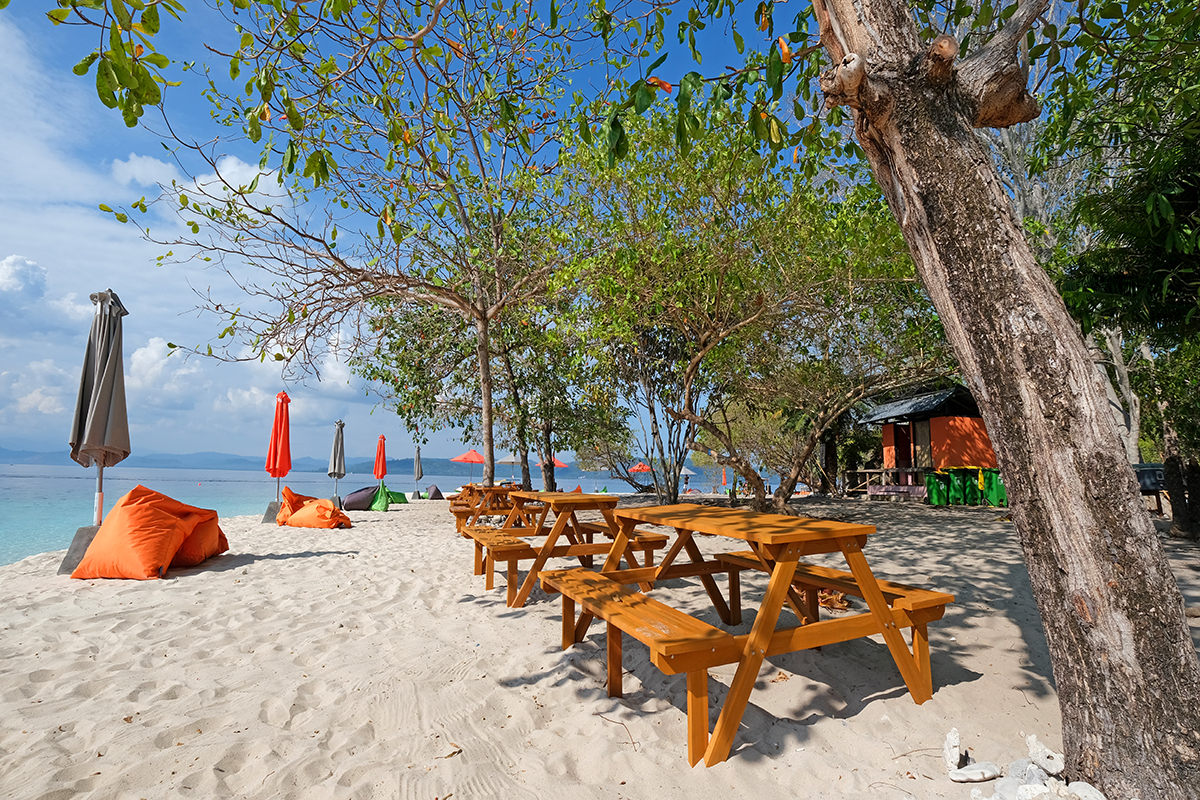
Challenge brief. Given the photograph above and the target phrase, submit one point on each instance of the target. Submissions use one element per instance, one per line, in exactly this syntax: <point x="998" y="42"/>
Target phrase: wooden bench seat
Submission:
<point x="898" y="595"/>
<point x="505" y="545"/>
<point x="641" y="539"/>
<point x="678" y="642"/>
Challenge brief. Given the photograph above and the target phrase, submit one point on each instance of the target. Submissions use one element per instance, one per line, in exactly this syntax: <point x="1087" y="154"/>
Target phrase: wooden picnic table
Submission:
<point x="476" y="501"/>
<point x="681" y="643"/>
<point x="564" y="506"/>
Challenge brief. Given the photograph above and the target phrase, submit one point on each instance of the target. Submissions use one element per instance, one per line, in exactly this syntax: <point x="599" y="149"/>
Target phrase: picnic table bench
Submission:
<point x="680" y="643"/>
<point x="478" y="501"/>
<point x="506" y="545"/>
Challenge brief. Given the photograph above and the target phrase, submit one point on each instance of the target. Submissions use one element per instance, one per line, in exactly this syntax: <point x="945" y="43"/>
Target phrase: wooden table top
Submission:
<point x="749" y="526"/>
<point x="557" y="499"/>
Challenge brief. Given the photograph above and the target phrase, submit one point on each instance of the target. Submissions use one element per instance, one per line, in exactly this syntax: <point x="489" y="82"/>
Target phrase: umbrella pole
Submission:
<point x="99" y="493"/>
<point x="277" y="489"/>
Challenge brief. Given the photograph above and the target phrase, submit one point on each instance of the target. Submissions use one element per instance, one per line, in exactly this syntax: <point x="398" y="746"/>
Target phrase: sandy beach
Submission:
<point x="371" y="663"/>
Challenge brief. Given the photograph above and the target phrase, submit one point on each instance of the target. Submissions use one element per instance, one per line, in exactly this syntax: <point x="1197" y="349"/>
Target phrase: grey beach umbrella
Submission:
<point x="509" y="459"/>
<point x="337" y="460"/>
<point x="418" y="473"/>
<point x="100" y="427"/>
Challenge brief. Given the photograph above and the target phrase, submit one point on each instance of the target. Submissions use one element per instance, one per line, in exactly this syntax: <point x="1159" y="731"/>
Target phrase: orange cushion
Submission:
<point x="139" y="537"/>
<point x="205" y="541"/>
<point x="319" y="514"/>
<point x="290" y="504"/>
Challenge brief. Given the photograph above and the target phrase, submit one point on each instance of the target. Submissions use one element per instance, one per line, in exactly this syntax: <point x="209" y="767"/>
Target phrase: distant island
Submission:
<point x="207" y="460"/>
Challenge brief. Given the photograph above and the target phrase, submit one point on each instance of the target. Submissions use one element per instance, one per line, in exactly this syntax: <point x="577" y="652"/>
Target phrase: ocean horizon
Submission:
<point x="43" y="505"/>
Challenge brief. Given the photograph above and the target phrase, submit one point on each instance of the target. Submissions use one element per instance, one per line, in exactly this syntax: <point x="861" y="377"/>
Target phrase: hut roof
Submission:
<point x="954" y="402"/>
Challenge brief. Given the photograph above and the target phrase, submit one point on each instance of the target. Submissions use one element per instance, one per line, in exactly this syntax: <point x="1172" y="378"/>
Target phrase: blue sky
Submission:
<point x="61" y="155"/>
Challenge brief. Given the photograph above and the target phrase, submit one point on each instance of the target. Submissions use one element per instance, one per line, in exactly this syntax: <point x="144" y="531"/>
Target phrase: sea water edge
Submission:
<point x="42" y="506"/>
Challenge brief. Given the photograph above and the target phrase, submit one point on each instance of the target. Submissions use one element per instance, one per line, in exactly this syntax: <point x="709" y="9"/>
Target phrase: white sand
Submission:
<point x="372" y="663"/>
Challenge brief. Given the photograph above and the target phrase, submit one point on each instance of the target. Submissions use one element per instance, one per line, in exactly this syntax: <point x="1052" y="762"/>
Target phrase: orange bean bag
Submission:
<point x="290" y="504"/>
<point x="206" y="541"/>
<point x="145" y="533"/>
<point x="319" y="514"/>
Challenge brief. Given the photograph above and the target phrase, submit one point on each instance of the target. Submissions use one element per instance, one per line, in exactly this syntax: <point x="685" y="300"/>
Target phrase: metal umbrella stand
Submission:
<point x="100" y="426"/>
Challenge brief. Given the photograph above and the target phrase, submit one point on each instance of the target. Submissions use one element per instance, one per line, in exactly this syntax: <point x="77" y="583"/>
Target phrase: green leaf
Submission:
<point x="121" y="12"/>
<point x="553" y="14"/>
<point x="83" y="66"/>
<point x="775" y="72"/>
<point x="157" y="59"/>
<point x="106" y="84"/>
<point x="149" y="20"/>
<point x="58" y="15"/>
<point x="643" y="98"/>
<point x="106" y="209"/>
<point x="585" y="130"/>
<point x="738" y="42"/>
<point x="3" y="4"/>
<point x="658" y="63"/>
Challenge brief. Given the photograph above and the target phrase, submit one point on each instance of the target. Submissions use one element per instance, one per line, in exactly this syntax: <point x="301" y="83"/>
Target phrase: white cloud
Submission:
<point x="144" y="171"/>
<point x="72" y="310"/>
<point x="39" y="387"/>
<point x="41" y="401"/>
<point x="22" y="279"/>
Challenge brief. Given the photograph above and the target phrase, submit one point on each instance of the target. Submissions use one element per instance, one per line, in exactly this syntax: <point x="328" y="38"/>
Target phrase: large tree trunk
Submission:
<point x="484" y="356"/>
<point x="1124" y="663"/>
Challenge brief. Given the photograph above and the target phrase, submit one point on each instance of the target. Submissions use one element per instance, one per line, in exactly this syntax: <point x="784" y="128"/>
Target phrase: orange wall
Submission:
<point x="958" y="442"/>
<point x="889" y="446"/>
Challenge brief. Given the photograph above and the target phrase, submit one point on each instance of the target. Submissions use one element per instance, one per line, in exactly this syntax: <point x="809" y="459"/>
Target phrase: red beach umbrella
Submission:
<point x="640" y="467"/>
<point x="279" y="451"/>
<point x="472" y="456"/>
<point x="557" y="464"/>
<point x="380" y="459"/>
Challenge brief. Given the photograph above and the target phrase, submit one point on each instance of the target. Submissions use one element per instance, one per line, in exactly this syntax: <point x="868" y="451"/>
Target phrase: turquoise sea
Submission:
<point x="41" y="506"/>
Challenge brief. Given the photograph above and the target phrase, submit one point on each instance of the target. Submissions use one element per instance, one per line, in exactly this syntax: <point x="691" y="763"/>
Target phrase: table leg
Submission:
<point x="513" y="577"/>
<point x="489" y="568"/>
<point x="517" y="514"/>
<point x="611" y="564"/>
<point x="735" y="597"/>
<point x="709" y="582"/>
<point x="539" y="562"/>
<point x="697" y="715"/>
<point x="802" y="608"/>
<point x="568" y="621"/>
<point x="478" y="558"/>
<point x="613" y="648"/>
<point x="920" y="688"/>
<point x="752" y="659"/>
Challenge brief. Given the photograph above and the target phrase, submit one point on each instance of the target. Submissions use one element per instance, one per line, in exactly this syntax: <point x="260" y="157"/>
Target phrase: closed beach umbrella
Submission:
<point x="279" y="451"/>
<point x="472" y="457"/>
<point x="100" y="427"/>
<point x="380" y="459"/>
<point x="418" y="473"/>
<point x="337" y="458"/>
<point x="509" y="459"/>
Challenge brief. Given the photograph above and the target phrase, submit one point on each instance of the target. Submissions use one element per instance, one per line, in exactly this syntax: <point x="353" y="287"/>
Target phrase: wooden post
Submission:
<point x="613" y="646"/>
